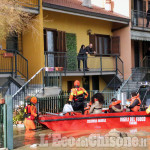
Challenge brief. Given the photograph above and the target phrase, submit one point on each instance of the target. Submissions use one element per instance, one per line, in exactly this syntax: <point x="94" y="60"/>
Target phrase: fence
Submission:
<point x="12" y="62"/>
<point x="97" y="64"/>
<point x="52" y="104"/>
<point x="55" y="104"/>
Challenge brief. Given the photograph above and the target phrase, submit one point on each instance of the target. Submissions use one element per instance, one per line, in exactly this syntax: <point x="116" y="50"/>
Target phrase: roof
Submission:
<point x="75" y="6"/>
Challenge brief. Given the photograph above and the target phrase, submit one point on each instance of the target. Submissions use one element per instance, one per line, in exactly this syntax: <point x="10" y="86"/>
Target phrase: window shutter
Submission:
<point x="61" y="47"/>
<point x="115" y="45"/>
<point x="61" y="41"/>
<point x="92" y="39"/>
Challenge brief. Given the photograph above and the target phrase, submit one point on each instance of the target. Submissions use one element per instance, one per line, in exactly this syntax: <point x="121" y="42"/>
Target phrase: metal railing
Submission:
<point x="53" y="104"/>
<point x="15" y="64"/>
<point x="31" y="88"/>
<point x="107" y="96"/>
<point x="35" y="86"/>
<point x="32" y="4"/>
<point x="139" y="74"/>
<point x="98" y="64"/>
<point x="2" y="125"/>
<point x="139" y="19"/>
<point x="113" y="85"/>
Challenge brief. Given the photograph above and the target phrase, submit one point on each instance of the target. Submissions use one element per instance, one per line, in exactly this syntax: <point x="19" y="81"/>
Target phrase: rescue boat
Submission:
<point x="95" y="121"/>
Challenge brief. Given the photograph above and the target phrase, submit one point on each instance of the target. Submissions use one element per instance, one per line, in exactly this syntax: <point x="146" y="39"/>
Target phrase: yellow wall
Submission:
<point x="102" y="83"/>
<point x="79" y="26"/>
<point x="65" y="79"/>
<point x="76" y="24"/>
<point x="33" y="45"/>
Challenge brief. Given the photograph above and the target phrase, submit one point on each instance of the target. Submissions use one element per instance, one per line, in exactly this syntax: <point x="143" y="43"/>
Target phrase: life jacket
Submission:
<point x="78" y="94"/>
<point x="27" y="112"/>
<point x="115" y="103"/>
<point x="137" y="107"/>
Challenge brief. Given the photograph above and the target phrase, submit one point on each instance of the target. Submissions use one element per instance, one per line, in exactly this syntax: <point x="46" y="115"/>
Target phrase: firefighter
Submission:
<point x="30" y="114"/>
<point x="115" y="106"/>
<point x="135" y="102"/>
<point x="77" y="97"/>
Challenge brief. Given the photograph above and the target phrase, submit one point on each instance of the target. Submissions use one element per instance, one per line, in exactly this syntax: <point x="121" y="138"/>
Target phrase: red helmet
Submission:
<point x="76" y="83"/>
<point x="33" y="100"/>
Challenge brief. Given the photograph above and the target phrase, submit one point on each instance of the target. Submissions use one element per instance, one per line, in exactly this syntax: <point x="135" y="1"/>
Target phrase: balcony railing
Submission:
<point x="139" y="19"/>
<point x="12" y="62"/>
<point x="96" y="64"/>
<point x="30" y="4"/>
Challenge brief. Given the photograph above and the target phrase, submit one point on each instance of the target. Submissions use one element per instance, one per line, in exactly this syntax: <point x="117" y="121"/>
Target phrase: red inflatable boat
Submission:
<point x="95" y="121"/>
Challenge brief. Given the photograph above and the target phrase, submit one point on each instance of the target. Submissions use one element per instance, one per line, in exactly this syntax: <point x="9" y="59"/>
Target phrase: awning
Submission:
<point x="140" y="35"/>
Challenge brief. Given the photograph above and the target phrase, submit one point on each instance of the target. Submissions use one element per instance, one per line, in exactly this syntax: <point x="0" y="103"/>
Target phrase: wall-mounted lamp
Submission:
<point x="89" y="31"/>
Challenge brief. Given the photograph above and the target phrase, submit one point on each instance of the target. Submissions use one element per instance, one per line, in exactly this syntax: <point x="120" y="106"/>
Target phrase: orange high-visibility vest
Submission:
<point x="76" y="92"/>
<point x="115" y="103"/>
<point x="137" y="107"/>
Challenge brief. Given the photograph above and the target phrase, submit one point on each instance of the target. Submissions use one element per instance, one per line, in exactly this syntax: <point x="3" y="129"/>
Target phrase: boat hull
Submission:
<point x="95" y="121"/>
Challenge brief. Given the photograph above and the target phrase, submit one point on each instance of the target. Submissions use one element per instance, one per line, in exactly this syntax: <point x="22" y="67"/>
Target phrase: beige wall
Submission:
<point x="125" y="49"/>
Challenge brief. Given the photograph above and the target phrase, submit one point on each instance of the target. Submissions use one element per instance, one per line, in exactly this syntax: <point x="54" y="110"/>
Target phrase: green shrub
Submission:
<point x="71" y="51"/>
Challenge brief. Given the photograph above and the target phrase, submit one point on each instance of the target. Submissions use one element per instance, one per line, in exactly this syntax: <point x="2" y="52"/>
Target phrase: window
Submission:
<point x="104" y="44"/>
<point x="55" y="47"/>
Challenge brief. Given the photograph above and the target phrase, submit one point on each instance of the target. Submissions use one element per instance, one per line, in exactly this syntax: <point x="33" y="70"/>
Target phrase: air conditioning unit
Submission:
<point x="87" y="3"/>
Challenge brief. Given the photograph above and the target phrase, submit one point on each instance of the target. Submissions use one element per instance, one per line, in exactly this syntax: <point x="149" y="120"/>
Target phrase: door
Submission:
<point x="85" y="81"/>
<point x="95" y="82"/>
<point x="136" y="54"/>
<point x="50" y="48"/>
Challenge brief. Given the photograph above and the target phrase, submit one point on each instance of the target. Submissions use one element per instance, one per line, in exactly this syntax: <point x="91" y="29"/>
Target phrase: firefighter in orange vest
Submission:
<point x="135" y="102"/>
<point x="115" y="106"/>
<point x="30" y="114"/>
<point x="77" y="97"/>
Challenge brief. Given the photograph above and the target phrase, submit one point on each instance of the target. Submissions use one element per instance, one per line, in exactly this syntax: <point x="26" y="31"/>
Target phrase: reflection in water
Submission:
<point x="23" y="140"/>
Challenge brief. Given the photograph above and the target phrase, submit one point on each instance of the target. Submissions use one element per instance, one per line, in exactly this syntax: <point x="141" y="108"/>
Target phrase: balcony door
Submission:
<point x="50" y="48"/>
<point x="54" y="47"/>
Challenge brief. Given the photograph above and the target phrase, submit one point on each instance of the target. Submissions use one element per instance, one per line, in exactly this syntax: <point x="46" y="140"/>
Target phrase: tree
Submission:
<point x="13" y="19"/>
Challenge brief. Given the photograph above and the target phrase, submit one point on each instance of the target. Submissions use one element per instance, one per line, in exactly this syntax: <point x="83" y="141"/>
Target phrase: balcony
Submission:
<point x="98" y="65"/>
<point x="31" y="6"/>
<point x="139" y="20"/>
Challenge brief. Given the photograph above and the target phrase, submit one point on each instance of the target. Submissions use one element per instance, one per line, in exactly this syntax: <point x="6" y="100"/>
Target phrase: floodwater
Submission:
<point x="45" y="139"/>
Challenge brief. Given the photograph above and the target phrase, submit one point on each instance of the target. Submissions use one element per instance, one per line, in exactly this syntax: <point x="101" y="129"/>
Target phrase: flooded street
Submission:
<point x="43" y="139"/>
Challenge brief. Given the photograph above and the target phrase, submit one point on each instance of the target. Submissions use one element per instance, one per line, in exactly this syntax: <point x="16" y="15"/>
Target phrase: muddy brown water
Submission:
<point x="43" y="139"/>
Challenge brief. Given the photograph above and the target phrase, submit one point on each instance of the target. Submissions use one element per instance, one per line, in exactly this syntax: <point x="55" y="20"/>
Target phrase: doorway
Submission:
<point x="95" y="83"/>
<point x="85" y="82"/>
<point x="136" y="54"/>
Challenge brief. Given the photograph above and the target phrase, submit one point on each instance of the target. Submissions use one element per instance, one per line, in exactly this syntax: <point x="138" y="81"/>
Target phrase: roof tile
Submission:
<point x="77" y="4"/>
